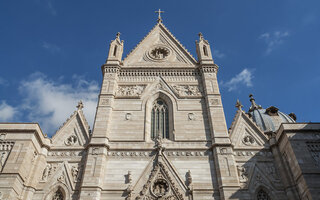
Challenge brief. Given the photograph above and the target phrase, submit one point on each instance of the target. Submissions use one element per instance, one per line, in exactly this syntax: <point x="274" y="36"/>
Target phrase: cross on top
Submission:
<point x="159" y="15"/>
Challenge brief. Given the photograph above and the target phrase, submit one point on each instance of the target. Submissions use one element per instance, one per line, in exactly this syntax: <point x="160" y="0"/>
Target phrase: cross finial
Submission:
<point x="239" y="105"/>
<point x="80" y="105"/>
<point x="118" y="35"/>
<point x="200" y="36"/>
<point x="159" y="15"/>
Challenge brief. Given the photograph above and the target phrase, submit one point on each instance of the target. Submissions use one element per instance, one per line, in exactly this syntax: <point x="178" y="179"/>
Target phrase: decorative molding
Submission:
<point x="148" y="72"/>
<point x="253" y="153"/>
<point x="191" y="117"/>
<point x="168" y="153"/>
<point x="65" y="153"/>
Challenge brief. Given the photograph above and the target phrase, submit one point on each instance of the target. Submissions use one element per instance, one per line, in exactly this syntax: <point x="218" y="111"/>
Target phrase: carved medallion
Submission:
<point x="248" y="140"/>
<point x="130" y="90"/>
<point x="158" y="53"/>
<point x="160" y="188"/>
<point x="71" y="140"/>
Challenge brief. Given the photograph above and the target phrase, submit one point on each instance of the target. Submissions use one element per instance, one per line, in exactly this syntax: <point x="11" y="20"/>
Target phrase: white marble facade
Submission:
<point x="188" y="153"/>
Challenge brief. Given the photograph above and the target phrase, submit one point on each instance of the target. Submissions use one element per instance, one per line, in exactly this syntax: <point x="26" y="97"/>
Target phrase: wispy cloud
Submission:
<point x="50" y="102"/>
<point x="51" y="47"/>
<point x="7" y="112"/>
<point x="273" y="39"/>
<point x="218" y="54"/>
<point x="243" y="78"/>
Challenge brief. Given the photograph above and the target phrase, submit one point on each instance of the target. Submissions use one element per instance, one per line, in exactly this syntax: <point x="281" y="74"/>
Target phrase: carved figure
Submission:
<point x="58" y="195"/>
<point x="243" y="173"/>
<point x="187" y="90"/>
<point x="129" y="177"/>
<point x="46" y="172"/>
<point x="130" y="90"/>
<point x="3" y="159"/>
<point x="75" y="172"/>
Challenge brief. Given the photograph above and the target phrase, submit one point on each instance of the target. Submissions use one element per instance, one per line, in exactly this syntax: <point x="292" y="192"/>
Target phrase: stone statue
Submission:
<point x="71" y="140"/>
<point x="3" y="159"/>
<point x="46" y="172"/>
<point x="74" y="173"/>
<point x="243" y="173"/>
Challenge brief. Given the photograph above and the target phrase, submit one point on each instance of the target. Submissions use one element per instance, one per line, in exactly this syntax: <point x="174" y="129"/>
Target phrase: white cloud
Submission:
<point x="51" y="47"/>
<point x="273" y="39"/>
<point x="7" y="112"/>
<point x="243" y="78"/>
<point x="50" y="103"/>
<point x="218" y="54"/>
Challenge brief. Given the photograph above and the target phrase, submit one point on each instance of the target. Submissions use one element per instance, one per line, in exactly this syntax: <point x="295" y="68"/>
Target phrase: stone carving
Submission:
<point x="252" y="153"/>
<point x="46" y="172"/>
<point x="187" y="90"/>
<point x="75" y="173"/>
<point x="128" y="116"/>
<point x="159" y="53"/>
<point x="71" y="140"/>
<point x="61" y="178"/>
<point x="104" y="102"/>
<point x="95" y="151"/>
<point x="242" y="173"/>
<point x="248" y="140"/>
<point x="214" y="102"/>
<point x="189" y="181"/>
<point x="158" y="143"/>
<point x="3" y="158"/>
<point x="129" y="177"/>
<point x="130" y="90"/>
<point x="223" y="150"/>
<point x="160" y="188"/>
<point x="3" y="136"/>
<point x="191" y="116"/>
<point x="34" y="156"/>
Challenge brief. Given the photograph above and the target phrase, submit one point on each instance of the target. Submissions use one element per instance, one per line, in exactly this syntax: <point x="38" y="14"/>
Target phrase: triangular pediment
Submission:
<point x="73" y="133"/>
<point x="245" y="134"/>
<point x="159" y="180"/>
<point x="159" y="48"/>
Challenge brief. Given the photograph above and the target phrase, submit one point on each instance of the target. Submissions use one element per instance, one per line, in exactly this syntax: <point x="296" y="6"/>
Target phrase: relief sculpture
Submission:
<point x="130" y="90"/>
<point x="187" y="90"/>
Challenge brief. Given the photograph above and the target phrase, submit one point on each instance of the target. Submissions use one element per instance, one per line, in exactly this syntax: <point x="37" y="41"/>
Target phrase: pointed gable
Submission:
<point x="244" y="133"/>
<point x="159" y="47"/>
<point x="74" y="132"/>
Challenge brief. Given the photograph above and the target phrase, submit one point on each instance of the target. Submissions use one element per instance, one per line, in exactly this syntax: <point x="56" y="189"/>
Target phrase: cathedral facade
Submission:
<point x="160" y="134"/>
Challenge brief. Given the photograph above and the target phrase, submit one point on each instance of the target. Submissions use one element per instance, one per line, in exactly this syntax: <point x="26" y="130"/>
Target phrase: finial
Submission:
<point x="239" y="105"/>
<point x="253" y="103"/>
<point x="159" y="15"/>
<point x="200" y="36"/>
<point x="118" y="35"/>
<point x="80" y="105"/>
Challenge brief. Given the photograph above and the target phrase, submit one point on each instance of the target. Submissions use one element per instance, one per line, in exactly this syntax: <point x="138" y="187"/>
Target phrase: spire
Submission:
<point x="80" y="105"/>
<point x="203" y="50"/>
<point x="239" y="105"/>
<point x="253" y="106"/>
<point x="159" y="15"/>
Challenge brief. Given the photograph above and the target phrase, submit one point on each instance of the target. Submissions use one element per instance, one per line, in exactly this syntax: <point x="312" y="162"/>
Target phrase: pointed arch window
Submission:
<point x="58" y="195"/>
<point x="262" y="195"/>
<point x="205" y="51"/>
<point x="159" y="119"/>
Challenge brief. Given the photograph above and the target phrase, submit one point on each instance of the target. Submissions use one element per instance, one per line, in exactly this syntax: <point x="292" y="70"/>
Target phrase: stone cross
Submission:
<point x="159" y="15"/>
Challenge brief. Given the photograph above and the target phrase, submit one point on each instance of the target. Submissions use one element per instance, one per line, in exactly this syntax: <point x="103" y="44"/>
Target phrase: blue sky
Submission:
<point x="51" y="52"/>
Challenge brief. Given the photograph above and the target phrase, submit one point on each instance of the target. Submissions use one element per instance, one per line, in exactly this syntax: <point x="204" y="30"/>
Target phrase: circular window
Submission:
<point x="159" y="53"/>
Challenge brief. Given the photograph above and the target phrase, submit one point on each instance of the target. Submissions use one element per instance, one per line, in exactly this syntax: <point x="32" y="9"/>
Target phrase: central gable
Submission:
<point x="159" y="48"/>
